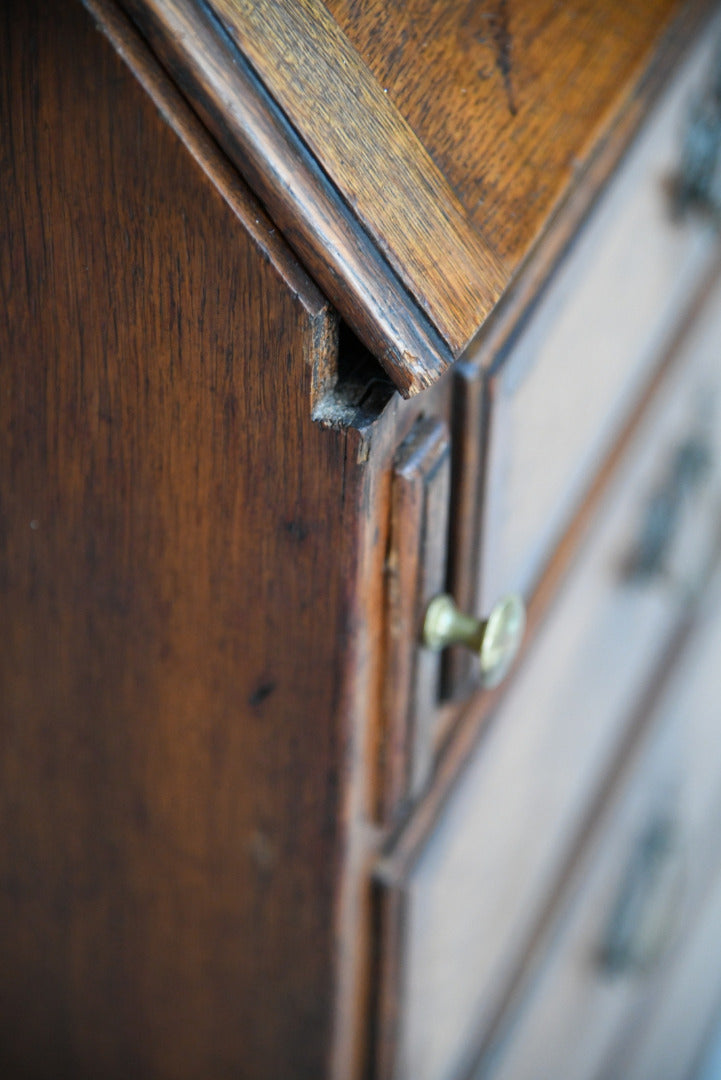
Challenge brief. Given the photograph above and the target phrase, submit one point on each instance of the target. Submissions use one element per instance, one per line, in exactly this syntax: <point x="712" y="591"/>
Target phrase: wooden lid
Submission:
<point x="411" y="153"/>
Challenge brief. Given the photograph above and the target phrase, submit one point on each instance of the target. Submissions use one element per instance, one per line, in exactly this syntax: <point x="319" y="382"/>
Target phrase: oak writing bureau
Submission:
<point x="360" y="510"/>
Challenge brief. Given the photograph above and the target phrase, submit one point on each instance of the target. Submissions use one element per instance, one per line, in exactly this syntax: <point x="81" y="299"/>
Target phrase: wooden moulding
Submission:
<point x="372" y="155"/>
<point x="415" y="572"/>
<point x="471" y="404"/>
<point x="304" y="204"/>
<point x="413" y="206"/>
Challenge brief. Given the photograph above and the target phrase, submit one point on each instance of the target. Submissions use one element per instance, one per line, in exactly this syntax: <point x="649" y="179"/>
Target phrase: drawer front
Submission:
<point x="580" y="363"/>
<point x="667" y="1037"/>
<point x="687" y="1005"/>
<point x="463" y="912"/>
<point x="621" y="958"/>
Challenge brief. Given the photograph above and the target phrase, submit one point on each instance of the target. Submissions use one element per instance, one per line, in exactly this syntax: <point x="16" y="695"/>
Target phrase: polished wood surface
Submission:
<point x="173" y="686"/>
<point x="312" y="213"/>
<point x="452" y="134"/>
<point x="372" y="155"/>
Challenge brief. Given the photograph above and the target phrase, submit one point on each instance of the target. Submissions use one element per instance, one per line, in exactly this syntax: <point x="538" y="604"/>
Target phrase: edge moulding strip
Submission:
<point x="373" y="157"/>
<point x="302" y="201"/>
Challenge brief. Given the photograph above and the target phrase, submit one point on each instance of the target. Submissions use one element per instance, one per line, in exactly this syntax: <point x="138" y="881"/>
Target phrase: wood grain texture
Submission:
<point x="469" y="832"/>
<point x="508" y="97"/>
<point x="312" y="214"/>
<point x="415" y="573"/>
<point x="453" y="132"/>
<point x="659" y="290"/>
<point x="372" y="155"/>
<point x="175" y="636"/>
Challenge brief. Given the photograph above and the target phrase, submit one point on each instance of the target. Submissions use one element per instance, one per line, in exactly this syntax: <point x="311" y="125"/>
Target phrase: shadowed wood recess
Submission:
<point x="425" y="146"/>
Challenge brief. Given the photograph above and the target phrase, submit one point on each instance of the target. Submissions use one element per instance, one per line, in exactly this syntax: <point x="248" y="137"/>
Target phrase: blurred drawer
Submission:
<point x="457" y="921"/>
<point x="585" y="353"/>
<point x="666" y="1038"/>
<point x="623" y="955"/>
<point x="669" y="1042"/>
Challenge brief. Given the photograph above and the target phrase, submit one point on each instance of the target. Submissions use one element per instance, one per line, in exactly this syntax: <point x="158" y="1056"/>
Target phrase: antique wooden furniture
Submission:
<point x="313" y="315"/>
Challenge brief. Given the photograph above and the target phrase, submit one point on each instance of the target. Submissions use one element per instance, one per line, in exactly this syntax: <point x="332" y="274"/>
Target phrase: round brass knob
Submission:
<point x="495" y="639"/>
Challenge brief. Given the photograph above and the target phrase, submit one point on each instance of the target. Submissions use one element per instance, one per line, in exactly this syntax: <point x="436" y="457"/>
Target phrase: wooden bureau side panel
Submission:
<point x="176" y="536"/>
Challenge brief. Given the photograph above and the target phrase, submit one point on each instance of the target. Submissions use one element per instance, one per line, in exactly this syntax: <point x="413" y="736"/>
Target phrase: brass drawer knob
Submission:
<point x="495" y="639"/>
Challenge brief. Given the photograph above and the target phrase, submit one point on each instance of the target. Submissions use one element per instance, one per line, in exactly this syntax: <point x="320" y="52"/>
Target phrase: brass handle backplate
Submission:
<point x="688" y="468"/>
<point x="496" y="639"/>
<point x="647" y="909"/>
<point x="698" y="183"/>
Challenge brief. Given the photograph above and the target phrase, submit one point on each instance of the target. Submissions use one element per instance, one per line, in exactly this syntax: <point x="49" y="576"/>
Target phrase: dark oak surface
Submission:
<point x="451" y="133"/>
<point x="346" y="117"/>
<point x="311" y="212"/>
<point x="509" y="96"/>
<point x="415" y="572"/>
<point x="176" y="576"/>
